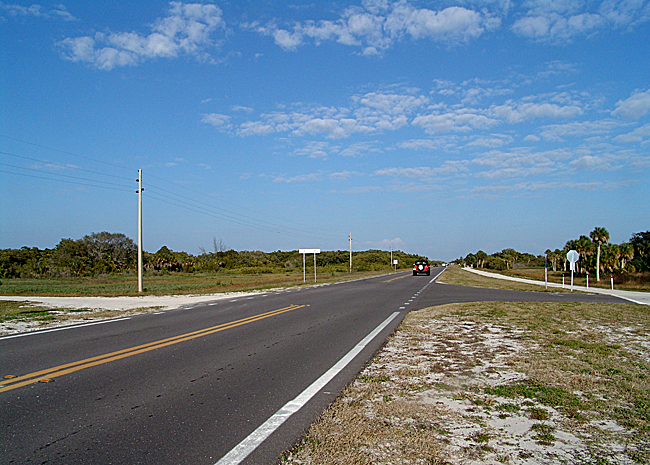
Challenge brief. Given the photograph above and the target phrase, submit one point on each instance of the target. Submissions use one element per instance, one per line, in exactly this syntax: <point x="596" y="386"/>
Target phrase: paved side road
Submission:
<point x="642" y="298"/>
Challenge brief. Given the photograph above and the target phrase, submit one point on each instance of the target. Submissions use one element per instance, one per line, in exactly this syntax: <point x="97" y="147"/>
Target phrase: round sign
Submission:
<point x="572" y="256"/>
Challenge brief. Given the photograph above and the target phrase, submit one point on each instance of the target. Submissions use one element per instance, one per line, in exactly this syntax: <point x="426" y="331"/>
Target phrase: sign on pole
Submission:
<point x="573" y="257"/>
<point x="304" y="252"/>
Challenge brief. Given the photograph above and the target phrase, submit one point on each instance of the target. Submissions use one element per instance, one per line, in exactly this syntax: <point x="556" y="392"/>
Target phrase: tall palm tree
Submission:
<point x="584" y="247"/>
<point x="599" y="236"/>
<point x="570" y="245"/>
<point x="627" y="253"/>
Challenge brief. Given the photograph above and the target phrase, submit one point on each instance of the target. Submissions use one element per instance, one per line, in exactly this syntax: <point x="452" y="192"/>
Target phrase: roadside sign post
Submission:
<point x="573" y="257"/>
<point x="395" y="263"/>
<point x="546" y="271"/>
<point x="304" y="252"/>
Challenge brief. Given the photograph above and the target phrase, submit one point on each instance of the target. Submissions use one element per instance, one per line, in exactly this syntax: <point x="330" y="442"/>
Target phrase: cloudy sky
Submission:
<point x="434" y="127"/>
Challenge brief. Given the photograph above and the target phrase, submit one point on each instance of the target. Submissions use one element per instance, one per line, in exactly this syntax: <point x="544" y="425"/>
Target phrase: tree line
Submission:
<point x="597" y="256"/>
<point x="109" y="253"/>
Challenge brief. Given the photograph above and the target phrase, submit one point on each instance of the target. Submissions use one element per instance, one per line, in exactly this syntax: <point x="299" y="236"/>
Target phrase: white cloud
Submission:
<point x="462" y="121"/>
<point x="242" y="108"/>
<point x="187" y="29"/>
<point x="37" y="11"/>
<point x="636" y="136"/>
<point x="517" y="163"/>
<point x="492" y="141"/>
<point x="557" y="21"/>
<point x="558" y="132"/>
<point x="217" y="120"/>
<point x="593" y="162"/>
<point x="449" y="167"/>
<point x="390" y="104"/>
<point x="254" y="128"/>
<point x="300" y="178"/>
<point x="316" y="150"/>
<point x="359" y="149"/>
<point x="375" y="26"/>
<point x="517" y="112"/>
<point x="340" y="176"/>
<point x="366" y="116"/>
<point x="634" y="107"/>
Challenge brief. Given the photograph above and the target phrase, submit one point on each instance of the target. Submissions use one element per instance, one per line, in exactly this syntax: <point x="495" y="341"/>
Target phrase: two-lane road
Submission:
<point x="229" y="381"/>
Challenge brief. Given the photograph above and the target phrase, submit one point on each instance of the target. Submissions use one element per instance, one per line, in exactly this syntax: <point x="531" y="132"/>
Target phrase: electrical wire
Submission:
<point x="168" y="196"/>
<point x="64" y="181"/>
<point x="331" y="236"/>
<point x="76" y="168"/>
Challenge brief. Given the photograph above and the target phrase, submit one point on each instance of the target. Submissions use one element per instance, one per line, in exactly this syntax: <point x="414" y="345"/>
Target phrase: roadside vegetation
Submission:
<point x="105" y="264"/>
<point x="497" y="383"/>
<point x="628" y="264"/>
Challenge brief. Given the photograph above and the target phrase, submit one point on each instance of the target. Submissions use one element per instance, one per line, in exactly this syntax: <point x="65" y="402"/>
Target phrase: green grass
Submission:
<point x="23" y="311"/>
<point x="165" y="284"/>
<point x="36" y="315"/>
<point x="454" y="274"/>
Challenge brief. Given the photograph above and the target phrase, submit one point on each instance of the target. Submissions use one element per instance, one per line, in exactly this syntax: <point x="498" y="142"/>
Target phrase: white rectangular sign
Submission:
<point x="309" y="250"/>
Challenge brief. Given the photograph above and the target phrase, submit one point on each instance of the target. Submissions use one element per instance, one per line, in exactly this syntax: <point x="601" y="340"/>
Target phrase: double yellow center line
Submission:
<point x="50" y="373"/>
<point x="394" y="279"/>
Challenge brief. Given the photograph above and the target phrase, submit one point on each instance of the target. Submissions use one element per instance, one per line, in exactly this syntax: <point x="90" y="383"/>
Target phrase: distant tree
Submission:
<point x="115" y="250"/>
<point x="641" y="245"/>
<point x="626" y="253"/>
<point x="72" y="257"/>
<point x="480" y="258"/>
<point x="599" y="236"/>
<point x="584" y="247"/>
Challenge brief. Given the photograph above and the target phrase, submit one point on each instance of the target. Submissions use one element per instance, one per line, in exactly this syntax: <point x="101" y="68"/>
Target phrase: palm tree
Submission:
<point x="599" y="236"/>
<point x="480" y="258"/>
<point x="627" y="253"/>
<point x="573" y="244"/>
<point x="584" y="247"/>
<point x="557" y="255"/>
<point x="611" y="257"/>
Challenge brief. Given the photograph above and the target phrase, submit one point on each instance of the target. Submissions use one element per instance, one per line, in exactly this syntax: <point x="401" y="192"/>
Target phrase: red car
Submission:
<point x="421" y="267"/>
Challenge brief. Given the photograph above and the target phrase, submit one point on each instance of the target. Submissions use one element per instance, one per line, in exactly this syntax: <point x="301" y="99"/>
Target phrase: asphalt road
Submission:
<point x="188" y="386"/>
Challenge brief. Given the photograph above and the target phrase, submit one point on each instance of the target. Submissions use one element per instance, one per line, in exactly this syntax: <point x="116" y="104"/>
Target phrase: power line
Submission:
<point x="203" y="207"/>
<point x="335" y="234"/>
<point x="63" y="151"/>
<point x="63" y="166"/>
<point x="207" y="212"/>
<point x="242" y="219"/>
<point x="64" y="181"/>
<point x="62" y="175"/>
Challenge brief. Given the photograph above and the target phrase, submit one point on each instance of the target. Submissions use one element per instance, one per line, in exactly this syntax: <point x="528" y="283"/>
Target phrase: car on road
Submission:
<point x="421" y="267"/>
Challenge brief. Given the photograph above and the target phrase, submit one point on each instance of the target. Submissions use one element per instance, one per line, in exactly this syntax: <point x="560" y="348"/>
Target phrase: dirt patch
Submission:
<point x="497" y="383"/>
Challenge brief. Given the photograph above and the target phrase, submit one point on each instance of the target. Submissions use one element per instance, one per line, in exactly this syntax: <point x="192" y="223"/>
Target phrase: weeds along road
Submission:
<point x="234" y="381"/>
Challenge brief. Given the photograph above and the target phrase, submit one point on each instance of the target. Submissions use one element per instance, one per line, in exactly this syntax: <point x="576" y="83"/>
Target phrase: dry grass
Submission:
<point x="454" y="274"/>
<point x="497" y="383"/>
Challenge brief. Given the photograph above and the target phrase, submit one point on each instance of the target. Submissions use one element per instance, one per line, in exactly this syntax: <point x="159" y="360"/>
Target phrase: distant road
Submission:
<point x="241" y="378"/>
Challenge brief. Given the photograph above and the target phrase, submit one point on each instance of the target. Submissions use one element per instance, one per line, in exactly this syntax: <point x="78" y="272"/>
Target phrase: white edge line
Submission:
<point x="253" y="440"/>
<point x="35" y="333"/>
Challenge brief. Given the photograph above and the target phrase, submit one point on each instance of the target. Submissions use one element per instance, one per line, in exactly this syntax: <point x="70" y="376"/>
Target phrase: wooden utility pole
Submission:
<point x="139" y="192"/>
<point x="350" y="252"/>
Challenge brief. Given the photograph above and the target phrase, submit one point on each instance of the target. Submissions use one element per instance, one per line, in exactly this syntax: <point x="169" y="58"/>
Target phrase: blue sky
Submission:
<point x="434" y="127"/>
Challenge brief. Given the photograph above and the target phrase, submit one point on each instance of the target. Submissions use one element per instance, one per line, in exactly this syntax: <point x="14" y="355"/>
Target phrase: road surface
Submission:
<point x="230" y="381"/>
